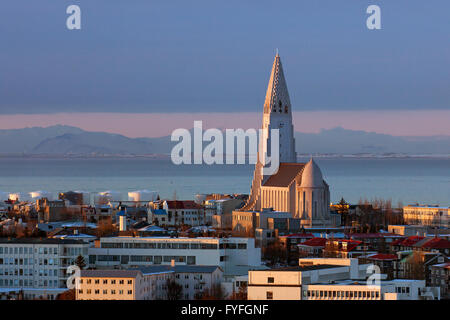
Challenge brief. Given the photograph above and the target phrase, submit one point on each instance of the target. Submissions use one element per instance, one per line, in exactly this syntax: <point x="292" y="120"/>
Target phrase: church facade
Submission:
<point x="297" y="188"/>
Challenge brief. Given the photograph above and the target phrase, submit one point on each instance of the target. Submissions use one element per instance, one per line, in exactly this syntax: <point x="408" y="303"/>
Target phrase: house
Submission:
<point x="440" y="277"/>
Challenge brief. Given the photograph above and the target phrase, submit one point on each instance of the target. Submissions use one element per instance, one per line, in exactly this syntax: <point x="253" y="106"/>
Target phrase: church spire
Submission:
<point x="277" y="96"/>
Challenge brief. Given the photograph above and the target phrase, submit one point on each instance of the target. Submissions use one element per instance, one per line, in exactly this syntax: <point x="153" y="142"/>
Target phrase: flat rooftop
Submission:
<point x="305" y="268"/>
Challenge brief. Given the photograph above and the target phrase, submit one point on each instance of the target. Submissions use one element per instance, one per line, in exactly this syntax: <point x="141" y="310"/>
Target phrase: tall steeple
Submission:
<point x="277" y="115"/>
<point x="277" y="95"/>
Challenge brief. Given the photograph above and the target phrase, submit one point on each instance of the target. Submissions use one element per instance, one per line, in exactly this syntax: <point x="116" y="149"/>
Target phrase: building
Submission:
<point x="332" y="279"/>
<point x="385" y="261"/>
<point x="345" y="248"/>
<point x="38" y="266"/>
<point x="148" y="283"/>
<point x="176" y="213"/>
<point x="312" y="247"/>
<point x="218" y="210"/>
<point x="287" y="283"/>
<point x="433" y="216"/>
<point x="129" y="252"/>
<point x="360" y="290"/>
<point x="50" y="211"/>
<point x="249" y="221"/>
<point x="123" y="284"/>
<point x="407" y="230"/>
<point x="440" y="277"/>
<point x="297" y="188"/>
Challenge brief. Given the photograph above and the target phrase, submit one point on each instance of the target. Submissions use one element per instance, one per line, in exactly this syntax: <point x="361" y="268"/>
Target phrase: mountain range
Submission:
<point x="63" y="140"/>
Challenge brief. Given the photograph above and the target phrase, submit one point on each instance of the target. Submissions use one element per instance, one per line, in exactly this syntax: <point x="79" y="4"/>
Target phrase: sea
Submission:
<point x="404" y="181"/>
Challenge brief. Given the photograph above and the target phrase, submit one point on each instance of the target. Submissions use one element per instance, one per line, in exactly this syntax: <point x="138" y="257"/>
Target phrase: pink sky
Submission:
<point x="398" y="123"/>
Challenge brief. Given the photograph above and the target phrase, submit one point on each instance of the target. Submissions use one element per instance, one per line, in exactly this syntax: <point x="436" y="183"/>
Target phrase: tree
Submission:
<point x="214" y="293"/>
<point x="416" y="266"/>
<point x="241" y="294"/>
<point x="105" y="228"/>
<point x="275" y="253"/>
<point x="174" y="290"/>
<point x="79" y="261"/>
<point x="66" y="295"/>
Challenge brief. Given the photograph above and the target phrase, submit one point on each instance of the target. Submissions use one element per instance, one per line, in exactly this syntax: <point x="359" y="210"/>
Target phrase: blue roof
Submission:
<point x="121" y="213"/>
<point x="159" y="211"/>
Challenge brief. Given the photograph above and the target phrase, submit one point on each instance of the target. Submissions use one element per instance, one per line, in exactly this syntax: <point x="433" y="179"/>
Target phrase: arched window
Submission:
<point x="286" y="109"/>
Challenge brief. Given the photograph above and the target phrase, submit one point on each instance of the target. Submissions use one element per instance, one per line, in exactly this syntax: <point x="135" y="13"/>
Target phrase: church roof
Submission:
<point x="277" y="89"/>
<point x="311" y="176"/>
<point x="285" y="175"/>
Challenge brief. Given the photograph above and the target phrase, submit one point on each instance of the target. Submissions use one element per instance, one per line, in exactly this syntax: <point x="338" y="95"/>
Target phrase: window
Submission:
<point x="130" y="291"/>
<point x="113" y="281"/>
<point x="97" y="281"/>
<point x="269" y="295"/>
<point x="105" y="281"/>
<point x="121" y="282"/>
<point x="270" y="280"/>
<point x="129" y="281"/>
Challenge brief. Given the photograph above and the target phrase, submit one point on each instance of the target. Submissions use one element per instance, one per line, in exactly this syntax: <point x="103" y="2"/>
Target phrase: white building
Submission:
<point x="129" y="252"/>
<point x="298" y="188"/>
<point x="147" y="283"/>
<point x="176" y="213"/>
<point x="433" y="216"/>
<point x="123" y="284"/>
<point x="332" y="279"/>
<point x="36" y="266"/>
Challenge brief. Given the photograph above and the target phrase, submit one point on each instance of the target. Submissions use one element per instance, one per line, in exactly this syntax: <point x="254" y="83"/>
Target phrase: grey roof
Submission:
<point x="40" y="241"/>
<point x="306" y="268"/>
<point x="154" y="269"/>
<point x="109" y="273"/>
<point x="178" y="268"/>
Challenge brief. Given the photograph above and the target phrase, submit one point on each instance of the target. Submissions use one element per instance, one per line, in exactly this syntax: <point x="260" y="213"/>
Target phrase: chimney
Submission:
<point x="123" y="223"/>
<point x="172" y="263"/>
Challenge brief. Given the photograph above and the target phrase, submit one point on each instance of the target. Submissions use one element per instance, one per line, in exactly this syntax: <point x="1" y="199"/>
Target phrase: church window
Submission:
<point x="285" y="109"/>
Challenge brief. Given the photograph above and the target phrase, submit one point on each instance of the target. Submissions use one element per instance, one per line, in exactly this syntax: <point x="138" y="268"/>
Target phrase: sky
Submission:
<point x="141" y="67"/>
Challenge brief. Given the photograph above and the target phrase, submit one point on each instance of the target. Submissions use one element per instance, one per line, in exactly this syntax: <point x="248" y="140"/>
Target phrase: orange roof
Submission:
<point x="287" y="172"/>
<point x="315" y="242"/>
<point x="408" y="242"/>
<point x="436" y="243"/>
<point x="182" y="204"/>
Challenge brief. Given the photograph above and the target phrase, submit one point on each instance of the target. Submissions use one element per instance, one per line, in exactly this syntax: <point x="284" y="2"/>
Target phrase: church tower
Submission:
<point x="296" y="188"/>
<point x="277" y="115"/>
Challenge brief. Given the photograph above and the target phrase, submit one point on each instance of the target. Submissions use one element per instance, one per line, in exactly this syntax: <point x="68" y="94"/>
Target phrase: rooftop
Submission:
<point x="40" y="241"/>
<point x="287" y="172"/>
<point x="306" y="268"/>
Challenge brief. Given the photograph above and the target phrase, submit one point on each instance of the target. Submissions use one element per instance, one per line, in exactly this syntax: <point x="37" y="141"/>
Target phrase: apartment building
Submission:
<point x="332" y="279"/>
<point x="176" y="213"/>
<point x="115" y="252"/>
<point x="425" y="215"/>
<point x="147" y="283"/>
<point x="440" y="277"/>
<point x="361" y="290"/>
<point x="123" y="284"/>
<point x="38" y="266"/>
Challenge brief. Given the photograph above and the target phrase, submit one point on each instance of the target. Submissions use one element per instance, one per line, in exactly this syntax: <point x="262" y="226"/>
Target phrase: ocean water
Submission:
<point x="408" y="180"/>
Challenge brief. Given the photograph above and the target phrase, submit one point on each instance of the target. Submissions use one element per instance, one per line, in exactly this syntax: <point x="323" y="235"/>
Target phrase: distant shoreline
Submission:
<point x="167" y="156"/>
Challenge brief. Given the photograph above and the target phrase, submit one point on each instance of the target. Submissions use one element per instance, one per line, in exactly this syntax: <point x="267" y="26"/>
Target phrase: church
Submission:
<point x="297" y="188"/>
